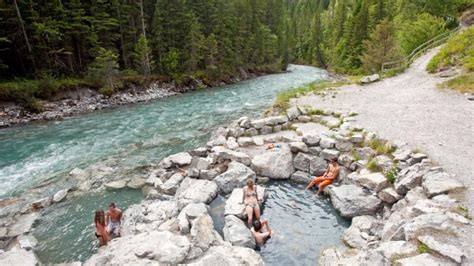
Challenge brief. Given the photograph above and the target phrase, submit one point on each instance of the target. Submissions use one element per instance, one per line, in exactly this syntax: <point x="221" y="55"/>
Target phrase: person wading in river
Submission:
<point x="100" y="228"/>
<point x="250" y="199"/>
<point x="113" y="219"/>
<point x="327" y="178"/>
<point x="261" y="231"/>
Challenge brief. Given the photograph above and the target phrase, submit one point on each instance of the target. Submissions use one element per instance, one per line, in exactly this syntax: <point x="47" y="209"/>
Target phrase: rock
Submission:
<point x="374" y="181"/>
<point x="357" y="138"/>
<point x="41" y="203"/>
<point x="384" y="162"/>
<point x="251" y="132"/>
<point x="409" y="178"/>
<point x="237" y="233"/>
<point x="148" y="216"/>
<point x="365" y="153"/>
<point x="236" y="132"/>
<point x="329" y="257"/>
<point x="171" y="185"/>
<point x="276" y="120"/>
<point x="201" y="152"/>
<point x="266" y="130"/>
<point x="343" y="144"/>
<point x="275" y="164"/>
<point x="345" y="160"/>
<point x="200" y="163"/>
<point x="245" y="141"/>
<point x="353" y="238"/>
<point x="329" y="154"/>
<point x="60" y="195"/>
<point x="258" y="123"/>
<point x="244" y="122"/>
<point x="197" y="190"/>
<point x="202" y="232"/>
<point x="293" y="113"/>
<point x="317" y="166"/>
<point x="311" y="140"/>
<point x="327" y="143"/>
<point x="136" y="183"/>
<point x="208" y="174"/>
<point x="77" y="172"/>
<point x="304" y="118"/>
<point x="301" y="177"/>
<point x="181" y="159"/>
<point x="188" y="214"/>
<point x="22" y="224"/>
<point x="315" y="150"/>
<point x="389" y="195"/>
<point x="234" y="206"/>
<point x="330" y="121"/>
<point x="351" y="201"/>
<point x="435" y="183"/>
<point x="302" y="161"/>
<point x="231" y="143"/>
<point x="27" y="242"/>
<point x="235" y="176"/>
<point x="369" y="79"/>
<point x="155" y="247"/>
<point x="170" y="225"/>
<point x="296" y="147"/>
<point x="423" y="259"/>
<point x="401" y="155"/>
<point x="229" y="255"/>
<point x="18" y="257"/>
<point x="416" y="158"/>
<point x="119" y="184"/>
<point x="443" y="249"/>
<point x="396" y="249"/>
<point x="232" y="155"/>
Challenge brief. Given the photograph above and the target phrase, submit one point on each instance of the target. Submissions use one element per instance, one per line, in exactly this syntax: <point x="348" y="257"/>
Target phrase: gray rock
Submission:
<point x="266" y="130"/>
<point x="41" y="203"/>
<point x="229" y="255"/>
<point x="301" y="177"/>
<point x="231" y="143"/>
<point x="258" y="123"/>
<point x="443" y="249"/>
<point x="365" y="153"/>
<point x="181" y="159"/>
<point x="234" y="205"/>
<point x="236" y="132"/>
<point x="60" y="195"/>
<point x="401" y="155"/>
<point x="327" y="143"/>
<point x="245" y="141"/>
<point x="374" y="181"/>
<point x="201" y="152"/>
<point x="136" y="183"/>
<point x="235" y="176"/>
<point x="298" y="146"/>
<point x="202" y="232"/>
<point x="77" y="173"/>
<point x="244" y="122"/>
<point x="302" y="161"/>
<point x="353" y="238"/>
<point x="188" y="214"/>
<point x="293" y="113"/>
<point x="27" y="242"/>
<point x="384" y="162"/>
<point x="369" y="79"/>
<point x="436" y="183"/>
<point x="237" y="233"/>
<point x="343" y="144"/>
<point x="315" y="150"/>
<point x="119" y="184"/>
<point x="304" y="118"/>
<point x="329" y="257"/>
<point x="389" y="195"/>
<point x="277" y="128"/>
<point x="345" y="160"/>
<point x="208" y="174"/>
<point x="352" y="200"/>
<point x="357" y="138"/>
<point x="155" y="247"/>
<point x="311" y="140"/>
<point x="226" y="154"/>
<point x="397" y="249"/>
<point x="170" y="225"/>
<point x="416" y="158"/>
<point x="331" y="121"/>
<point x="329" y="154"/>
<point x="275" y="164"/>
<point x="276" y="120"/>
<point x="22" y="224"/>
<point x="317" y="166"/>
<point x="197" y="190"/>
<point x="410" y="178"/>
<point x="171" y="185"/>
<point x="423" y="259"/>
<point x="251" y="132"/>
<point x="200" y="163"/>
<point x="18" y="257"/>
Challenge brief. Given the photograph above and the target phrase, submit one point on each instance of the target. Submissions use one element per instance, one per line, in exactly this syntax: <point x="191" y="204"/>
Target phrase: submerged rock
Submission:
<point x="119" y="184"/>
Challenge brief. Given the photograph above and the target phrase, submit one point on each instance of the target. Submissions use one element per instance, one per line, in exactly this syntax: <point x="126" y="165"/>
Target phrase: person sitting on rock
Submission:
<point x="261" y="231"/>
<point x="114" y="220"/>
<point x="327" y="178"/>
<point x="100" y="228"/>
<point x="250" y="199"/>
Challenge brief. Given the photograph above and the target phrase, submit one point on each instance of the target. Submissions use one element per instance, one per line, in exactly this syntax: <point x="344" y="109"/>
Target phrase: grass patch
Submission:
<point x="355" y="155"/>
<point x="372" y="166"/>
<point x="283" y="98"/>
<point x="391" y="174"/>
<point x="464" y="211"/>
<point x="463" y="83"/>
<point x="422" y="248"/>
<point x="381" y="147"/>
<point x="316" y="112"/>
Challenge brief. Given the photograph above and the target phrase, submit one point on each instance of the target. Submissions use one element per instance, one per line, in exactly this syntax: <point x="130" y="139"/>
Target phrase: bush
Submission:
<point x="33" y="105"/>
<point x="106" y="90"/>
<point x="391" y="174"/>
<point x="372" y="166"/>
<point x="462" y="83"/>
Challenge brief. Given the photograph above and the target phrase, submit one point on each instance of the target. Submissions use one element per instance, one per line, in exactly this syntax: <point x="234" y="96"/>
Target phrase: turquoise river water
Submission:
<point x="124" y="138"/>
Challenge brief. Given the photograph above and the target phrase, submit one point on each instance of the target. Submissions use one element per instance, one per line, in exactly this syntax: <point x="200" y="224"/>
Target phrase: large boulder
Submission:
<point x="275" y="164"/>
<point x="148" y="216"/>
<point x="227" y="154"/>
<point x="237" y="233"/>
<point x="446" y="250"/>
<point x="424" y="259"/>
<point x="18" y="257"/>
<point x="317" y="166"/>
<point x="410" y="178"/>
<point x="60" y="195"/>
<point x="235" y="176"/>
<point x="202" y="232"/>
<point x="156" y="247"/>
<point x="330" y="154"/>
<point x="172" y="184"/>
<point x="234" y="205"/>
<point x="229" y="255"/>
<point x="374" y="181"/>
<point x="181" y="159"/>
<point x="188" y="214"/>
<point x="439" y="182"/>
<point x="301" y="177"/>
<point x="389" y="195"/>
<point x="298" y="146"/>
<point x="293" y="113"/>
<point x="302" y="161"/>
<point x="397" y="249"/>
<point x="197" y="190"/>
<point x="352" y="200"/>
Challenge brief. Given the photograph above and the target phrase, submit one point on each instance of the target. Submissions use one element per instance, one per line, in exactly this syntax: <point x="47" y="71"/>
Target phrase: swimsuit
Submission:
<point x="114" y="228"/>
<point x="251" y="194"/>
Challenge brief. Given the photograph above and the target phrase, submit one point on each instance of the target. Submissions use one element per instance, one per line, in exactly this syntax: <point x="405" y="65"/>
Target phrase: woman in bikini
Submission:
<point x="100" y="228"/>
<point x="250" y="199"/>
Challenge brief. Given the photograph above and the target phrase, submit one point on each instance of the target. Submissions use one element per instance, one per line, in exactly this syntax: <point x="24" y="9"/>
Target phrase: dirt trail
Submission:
<point x="410" y="108"/>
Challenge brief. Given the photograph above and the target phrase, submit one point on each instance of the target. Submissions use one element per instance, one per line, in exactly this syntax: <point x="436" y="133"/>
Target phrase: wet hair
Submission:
<point x="250" y="183"/>
<point x="333" y="160"/>
<point x="99" y="217"/>
<point x="257" y="225"/>
<point x="112" y="205"/>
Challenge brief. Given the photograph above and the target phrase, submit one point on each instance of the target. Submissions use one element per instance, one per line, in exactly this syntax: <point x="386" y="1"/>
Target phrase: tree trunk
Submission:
<point x="122" y="47"/>
<point x="147" y="59"/>
<point x="25" y="36"/>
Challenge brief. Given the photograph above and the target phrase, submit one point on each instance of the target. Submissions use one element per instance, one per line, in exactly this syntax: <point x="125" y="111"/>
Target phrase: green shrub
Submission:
<point x="462" y="83"/>
<point x="33" y="105"/>
<point x="422" y="248"/>
<point x="391" y="174"/>
<point x="106" y="90"/>
<point x="372" y="166"/>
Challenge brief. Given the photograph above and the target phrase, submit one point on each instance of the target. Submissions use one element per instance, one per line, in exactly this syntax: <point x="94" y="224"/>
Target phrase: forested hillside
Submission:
<point x="112" y="41"/>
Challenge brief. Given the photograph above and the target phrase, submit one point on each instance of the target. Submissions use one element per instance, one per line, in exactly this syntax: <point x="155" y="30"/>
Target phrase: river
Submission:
<point x="124" y="138"/>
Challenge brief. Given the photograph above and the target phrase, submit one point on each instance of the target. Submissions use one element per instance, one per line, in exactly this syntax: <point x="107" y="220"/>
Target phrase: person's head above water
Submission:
<point x="333" y="161"/>
<point x="257" y="225"/>
<point x="99" y="217"/>
<point x="112" y="205"/>
<point x="250" y="183"/>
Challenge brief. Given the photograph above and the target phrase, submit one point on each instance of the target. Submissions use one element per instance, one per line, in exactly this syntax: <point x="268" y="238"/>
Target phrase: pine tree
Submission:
<point x="105" y="66"/>
<point x="142" y="56"/>
<point x="194" y="46"/>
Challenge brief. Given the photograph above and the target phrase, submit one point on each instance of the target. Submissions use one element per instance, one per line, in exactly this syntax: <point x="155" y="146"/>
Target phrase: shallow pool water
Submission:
<point x="303" y="225"/>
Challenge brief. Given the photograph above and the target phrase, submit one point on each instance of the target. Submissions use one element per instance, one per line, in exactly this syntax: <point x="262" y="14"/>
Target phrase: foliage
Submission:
<point x="458" y="51"/>
<point x="142" y="56"/>
<point x="414" y="33"/>
<point x="104" y="66"/>
<point x="463" y="83"/>
<point x="381" y="147"/>
<point x="391" y="174"/>
<point x="423" y="248"/>
<point x="372" y="166"/>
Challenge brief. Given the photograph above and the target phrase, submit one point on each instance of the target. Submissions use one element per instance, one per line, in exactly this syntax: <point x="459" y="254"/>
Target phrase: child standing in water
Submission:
<point x="100" y="228"/>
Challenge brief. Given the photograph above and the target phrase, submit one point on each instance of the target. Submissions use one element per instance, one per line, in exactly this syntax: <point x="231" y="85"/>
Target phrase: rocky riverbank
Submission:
<point x="404" y="209"/>
<point x="84" y="100"/>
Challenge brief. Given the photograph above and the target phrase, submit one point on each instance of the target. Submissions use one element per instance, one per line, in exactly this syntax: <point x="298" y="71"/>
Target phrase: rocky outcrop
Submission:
<point x="352" y="200"/>
<point x="236" y="176"/>
<point x="237" y="233"/>
<point x="275" y="164"/>
<point x="228" y="255"/>
<point x="194" y="190"/>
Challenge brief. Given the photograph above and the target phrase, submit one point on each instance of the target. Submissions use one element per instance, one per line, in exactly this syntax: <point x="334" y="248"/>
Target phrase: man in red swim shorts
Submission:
<point x="327" y="178"/>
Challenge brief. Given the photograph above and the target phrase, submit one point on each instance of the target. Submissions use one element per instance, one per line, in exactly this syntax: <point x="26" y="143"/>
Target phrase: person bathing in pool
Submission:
<point x="261" y="231"/>
<point x="327" y="178"/>
<point x="100" y="228"/>
<point x="250" y="199"/>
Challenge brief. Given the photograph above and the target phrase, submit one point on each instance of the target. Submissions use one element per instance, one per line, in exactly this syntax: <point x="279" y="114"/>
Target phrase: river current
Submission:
<point x="124" y="138"/>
